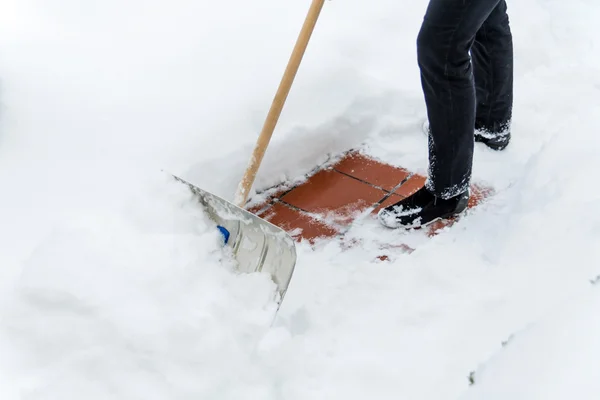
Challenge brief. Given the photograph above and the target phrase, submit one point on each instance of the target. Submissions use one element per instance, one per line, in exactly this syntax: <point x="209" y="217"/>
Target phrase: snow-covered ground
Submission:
<point x="555" y="358"/>
<point x="113" y="284"/>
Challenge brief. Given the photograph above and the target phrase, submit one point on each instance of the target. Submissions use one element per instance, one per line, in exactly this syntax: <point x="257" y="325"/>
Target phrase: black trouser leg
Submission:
<point x="492" y="57"/>
<point x="446" y="37"/>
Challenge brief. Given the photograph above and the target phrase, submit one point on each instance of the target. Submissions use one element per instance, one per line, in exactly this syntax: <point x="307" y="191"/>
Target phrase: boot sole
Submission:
<point x="411" y="227"/>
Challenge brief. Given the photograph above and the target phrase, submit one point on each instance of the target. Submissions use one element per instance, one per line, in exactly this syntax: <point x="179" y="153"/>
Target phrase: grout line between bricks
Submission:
<point x="315" y="216"/>
<point x="393" y="192"/>
<point x="361" y="180"/>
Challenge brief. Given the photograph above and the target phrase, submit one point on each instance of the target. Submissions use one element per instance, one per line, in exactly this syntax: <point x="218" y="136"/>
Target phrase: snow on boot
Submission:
<point x="495" y="141"/>
<point x="421" y="209"/>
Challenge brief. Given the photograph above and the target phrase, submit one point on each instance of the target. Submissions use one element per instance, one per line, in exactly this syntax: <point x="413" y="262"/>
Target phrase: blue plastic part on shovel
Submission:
<point x="225" y="233"/>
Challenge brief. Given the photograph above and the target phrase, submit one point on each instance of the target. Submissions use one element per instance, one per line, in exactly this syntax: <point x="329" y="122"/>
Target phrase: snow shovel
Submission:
<point x="258" y="245"/>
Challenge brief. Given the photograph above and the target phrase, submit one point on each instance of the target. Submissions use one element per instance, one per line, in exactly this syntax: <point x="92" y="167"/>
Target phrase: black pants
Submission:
<point x="465" y="55"/>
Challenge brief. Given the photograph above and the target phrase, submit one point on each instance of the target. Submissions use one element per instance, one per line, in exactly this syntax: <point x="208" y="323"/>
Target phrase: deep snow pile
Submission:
<point x="113" y="284"/>
<point x="124" y="297"/>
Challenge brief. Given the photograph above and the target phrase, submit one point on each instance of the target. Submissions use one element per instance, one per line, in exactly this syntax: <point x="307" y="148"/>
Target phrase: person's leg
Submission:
<point x="444" y="41"/>
<point x="492" y="57"/>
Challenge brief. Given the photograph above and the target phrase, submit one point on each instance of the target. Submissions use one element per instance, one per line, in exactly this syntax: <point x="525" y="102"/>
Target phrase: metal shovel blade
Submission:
<point x="257" y="245"/>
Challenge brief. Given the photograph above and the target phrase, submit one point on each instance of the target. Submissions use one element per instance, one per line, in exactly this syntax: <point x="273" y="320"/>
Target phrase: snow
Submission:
<point x="113" y="283"/>
<point x="526" y="369"/>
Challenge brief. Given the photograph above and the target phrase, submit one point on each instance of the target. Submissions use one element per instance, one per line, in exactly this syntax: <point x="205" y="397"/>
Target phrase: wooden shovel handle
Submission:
<point x="285" y="85"/>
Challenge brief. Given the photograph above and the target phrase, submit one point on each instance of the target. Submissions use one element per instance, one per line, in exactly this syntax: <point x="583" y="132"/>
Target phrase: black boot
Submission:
<point x="422" y="208"/>
<point x="495" y="141"/>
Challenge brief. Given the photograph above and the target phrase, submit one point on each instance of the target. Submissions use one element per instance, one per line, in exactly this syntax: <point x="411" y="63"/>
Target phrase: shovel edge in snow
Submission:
<point x="256" y="244"/>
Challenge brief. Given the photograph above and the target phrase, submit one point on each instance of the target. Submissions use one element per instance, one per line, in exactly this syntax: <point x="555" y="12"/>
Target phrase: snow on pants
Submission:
<point x="465" y="55"/>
